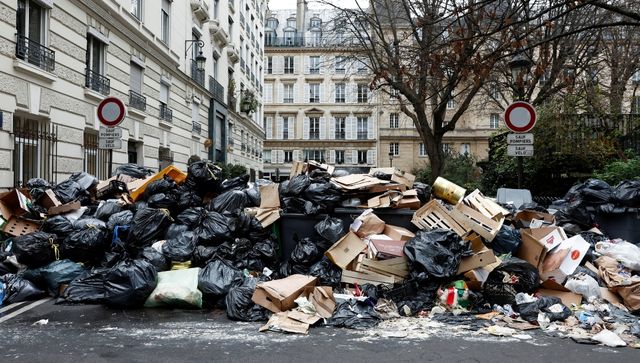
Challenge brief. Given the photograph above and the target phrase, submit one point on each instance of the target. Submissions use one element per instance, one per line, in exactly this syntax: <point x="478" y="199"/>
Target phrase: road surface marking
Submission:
<point x="26" y="308"/>
<point x="12" y="306"/>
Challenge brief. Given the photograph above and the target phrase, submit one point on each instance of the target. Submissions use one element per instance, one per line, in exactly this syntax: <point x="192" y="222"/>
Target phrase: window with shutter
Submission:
<point x="290" y="130"/>
<point x="348" y="156"/>
<point x="323" y="128"/>
<point x="305" y="129"/>
<point x="269" y="127"/>
<point x="164" y="94"/>
<point x="136" y="78"/>
<point x="279" y="128"/>
<point x="370" y="128"/>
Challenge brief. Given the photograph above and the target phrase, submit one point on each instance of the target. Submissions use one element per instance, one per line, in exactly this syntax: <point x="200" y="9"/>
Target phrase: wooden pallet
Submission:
<point x="485" y="205"/>
<point x="475" y="221"/>
<point x="434" y="215"/>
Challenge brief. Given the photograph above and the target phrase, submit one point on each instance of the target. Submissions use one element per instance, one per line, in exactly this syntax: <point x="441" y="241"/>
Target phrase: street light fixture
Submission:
<point x="391" y="159"/>
<point x="520" y="66"/>
<point x="201" y="60"/>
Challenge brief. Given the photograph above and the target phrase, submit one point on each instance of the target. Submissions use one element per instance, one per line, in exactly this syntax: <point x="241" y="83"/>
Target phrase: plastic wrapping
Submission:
<point x="133" y="170"/>
<point x="178" y="288"/>
<point x="627" y="253"/>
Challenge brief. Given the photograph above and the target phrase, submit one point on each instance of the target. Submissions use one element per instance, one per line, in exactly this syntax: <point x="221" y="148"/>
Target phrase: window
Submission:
<point x="363" y="129"/>
<point x="465" y="149"/>
<point x="34" y="152"/>
<point x="272" y="23"/>
<point x="314" y="64"/>
<point x="165" y="157"/>
<point x="289" y="37"/>
<point x="314" y="128"/>
<point x="339" y="156"/>
<point x="315" y="22"/>
<point x="394" y="93"/>
<point x="494" y="121"/>
<point x="363" y="93"/>
<point x="291" y="22"/>
<point x="394" y="148"/>
<point x="316" y="38"/>
<point x="317" y="155"/>
<point x="136" y="8"/>
<point x="341" y="126"/>
<point x="340" y="93"/>
<point x="136" y="99"/>
<point x="422" y="151"/>
<point x="132" y="152"/>
<point x="95" y="66"/>
<point x="635" y="105"/>
<point x="288" y="156"/>
<point x="31" y="26"/>
<point x="394" y="120"/>
<point x="288" y="65"/>
<point x="314" y="92"/>
<point x="493" y="90"/>
<point x="340" y="64"/>
<point x="451" y="104"/>
<point x="447" y="148"/>
<point x="165" y="113"/>
<point x="288" y="93"/>
<point x="362" y="156"/>
<point x="270" y="38"/>
<point x="165" y="18"/>
<point x="285" y="127"/>
<point x="269" y="65"/>
<point x="96" y="161"/>
<point x="362" y="67"/>
<point x="266" y="156"/>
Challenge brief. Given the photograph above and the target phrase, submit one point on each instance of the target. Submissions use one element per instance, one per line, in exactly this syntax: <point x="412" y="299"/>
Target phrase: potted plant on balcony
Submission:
<point x="248" y="103"/>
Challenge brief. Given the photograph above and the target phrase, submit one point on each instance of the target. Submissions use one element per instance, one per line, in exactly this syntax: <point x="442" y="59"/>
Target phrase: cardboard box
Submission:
<point x="477" y="260"/>
<point x="576" y="248"/>
<point x="346" y="250"/>
<point x="322" y="298"/>
<point x="398" y="233"/>
<point x="552" y="288"/>
<point x="630" y="295"/>
<point x="281" y="322"/>
<point x="524" y="218"/>
<point x="536" y="243"/>
<point x="279" y="295"/>
<point x="367" y="224"/>
<point x="397" y="175"/>
<point x="64" y="208"/>
<point x="13" y="204"/>
<point x="354" y="277"/>
<point x="269" y="210"/>
<point x="49" y="199"/>
<point x="16" y="226"/>
<point x="386" y="248"/>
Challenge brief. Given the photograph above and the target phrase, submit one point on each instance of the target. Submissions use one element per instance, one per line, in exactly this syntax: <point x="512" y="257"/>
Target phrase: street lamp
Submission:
<point x="390" y="159"/>
<point x="520" y="66"/>
<point x="200" y="59"/>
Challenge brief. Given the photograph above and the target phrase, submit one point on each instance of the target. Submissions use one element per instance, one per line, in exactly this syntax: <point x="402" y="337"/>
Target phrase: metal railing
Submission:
<point x="35" y="152"/>
<point x="242" y="64"/>
<point x="97" y="82"/>
<point x="311" y="42"/>
<point x="217" y="90"/>
<point x="166" y="113"/>
<point x="196" y="74"/>
<point x="96" y="160"/>
<point x="340" y="135"/>
<point x="35" y="53"/>
<point x="362" y="135"/>
<point x="137" y="101"/>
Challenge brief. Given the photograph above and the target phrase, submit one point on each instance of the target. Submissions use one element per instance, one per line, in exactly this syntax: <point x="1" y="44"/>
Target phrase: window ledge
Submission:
<point x="135" y="112"/>
<point x="33" y="70"/>
<point x="165" y="123"/>
<point x="93" y="94"/>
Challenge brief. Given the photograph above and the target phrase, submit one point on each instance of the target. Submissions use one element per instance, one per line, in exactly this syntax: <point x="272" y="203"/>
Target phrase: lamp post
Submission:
<point x="390" y="159"/>
<point x="520" y="66"/>
<point x="200" y="58"/>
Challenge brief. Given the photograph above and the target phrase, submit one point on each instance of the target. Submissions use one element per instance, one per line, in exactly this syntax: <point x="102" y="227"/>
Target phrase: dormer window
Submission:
<point x="272" y="23"/>
<point x="315" y="23"/>
<point x="291" y="22"/>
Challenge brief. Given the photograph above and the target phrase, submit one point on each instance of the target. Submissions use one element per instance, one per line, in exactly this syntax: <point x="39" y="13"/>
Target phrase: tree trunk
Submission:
<point x="436" y="158"/>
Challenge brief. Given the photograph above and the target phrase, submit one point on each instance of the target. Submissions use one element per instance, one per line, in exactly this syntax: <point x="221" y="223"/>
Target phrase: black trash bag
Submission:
<point x="204" y="176"/>
<point x="627" y="193"/>
<point x="282" y="188"/>
<point x="123" y="218"/>
<point x="434" y="254"/>
<point x="411" y="298"/>
<point x="529" y="311"/>
<point x="58" y="225"/>
<point x="306" y="252"/>
<point x="191" y="217"/>
<point x="327" y="273"/>
<point x="19" y="289"/>
<point x="381" y="175"/>
<point x="187" y="198"/>
<point x="213" y="229"/>
<point x="237" y="183"/>
<point x="141" y="204"/>
<point x="6" y="267"/>
<point x="180" y="248"/>
<point x="253" y="194"/>
<point x="299" y="269"/>
<point x="163" y="201"/>
<point x="574" y="212"/>
<point x="85" y="180"/>
<point x="107" y="209"/>
<point x="35" y="249"/>
<point x="509" y="278"/>
<point x="370" y="291"/>
<point x="164" y="185"/>
<point x="235" y="251"/>
<point x="69" y="191"/>
<point x="54" y="274"/>
<point x="240" y="306"/>
<point x="133" y="170"/>
<point x="297" y="186"/>
<point x="255" y="230"/>
<point x="331" y="229"/>
<point x="84" y="223"/>
<point x="85" y="245"/>
<point x="175" y="230"/>
<point x="595" y="191"/>
<point x="147" y="226"/>
<point x="217" y="277"/>
<point x="299" y="205"/>
<point x="156" y="258"/>
<point x="129" y="283"/>
<point x="424" y="191"/>
<point x="323" y="193"/>
<point x="37" y="187"/>
<point x="284" y="269"/>
<point x="266" y="251"/>
<point x="354" y="314"/>
<point x="88" y="288"/>
<point x="202" y="255"/>
<point x="230" y="201"/>
<point x="507" y="240"/>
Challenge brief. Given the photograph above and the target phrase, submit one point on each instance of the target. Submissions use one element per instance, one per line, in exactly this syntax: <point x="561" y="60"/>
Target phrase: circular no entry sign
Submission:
<point x="111" y="111"/>
<point x="520" y="116"/>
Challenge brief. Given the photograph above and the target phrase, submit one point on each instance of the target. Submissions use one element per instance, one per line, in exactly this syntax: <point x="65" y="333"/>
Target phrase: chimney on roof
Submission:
<point x="301" y="12"/>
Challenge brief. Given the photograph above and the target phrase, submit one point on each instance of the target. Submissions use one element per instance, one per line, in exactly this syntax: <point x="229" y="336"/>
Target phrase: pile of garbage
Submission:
<point x="192" y="240"/>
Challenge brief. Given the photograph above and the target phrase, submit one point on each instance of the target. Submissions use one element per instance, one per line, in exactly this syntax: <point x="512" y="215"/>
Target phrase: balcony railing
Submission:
<point x="362" y="135"/>
<point x="97" y="82"/>
<point x="340" y="135"/>
<point x="311" y="42"/>
<point x="35" y="53"/>
<point x="166" y="113"/>
<point x="216" y="89"/>
<point x="137" y="101"/>
<point x="242" y="64"/>
<point x="196" y="74"/>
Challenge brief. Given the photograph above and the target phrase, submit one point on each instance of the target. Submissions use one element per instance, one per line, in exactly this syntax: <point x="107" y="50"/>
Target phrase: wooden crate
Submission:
<point x="475" y="221"/>
<point x="485" y="205"/>
<point x="354" y="277"/>
<point x="434" y="215"/>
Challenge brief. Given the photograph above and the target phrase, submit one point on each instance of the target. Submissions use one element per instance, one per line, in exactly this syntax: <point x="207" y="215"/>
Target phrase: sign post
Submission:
<point x="520" y="117"/>
<point x="111" y="112"/>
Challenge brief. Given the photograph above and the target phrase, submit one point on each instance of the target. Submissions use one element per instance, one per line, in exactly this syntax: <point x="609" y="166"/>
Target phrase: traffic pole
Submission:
<point x="520" y="171"/>
<point x="110" y="162"/>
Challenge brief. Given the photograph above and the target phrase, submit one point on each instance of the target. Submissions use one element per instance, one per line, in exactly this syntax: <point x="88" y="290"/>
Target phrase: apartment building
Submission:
<point x="318" y="105"/>
<point x="167" y="60"/>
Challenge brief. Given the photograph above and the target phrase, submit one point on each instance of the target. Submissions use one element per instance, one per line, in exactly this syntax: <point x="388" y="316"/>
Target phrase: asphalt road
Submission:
<point x="95" y="334"/>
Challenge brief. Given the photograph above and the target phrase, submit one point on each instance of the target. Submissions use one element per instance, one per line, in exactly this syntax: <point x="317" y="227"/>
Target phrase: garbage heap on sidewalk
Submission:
<point x="324" y="247"/>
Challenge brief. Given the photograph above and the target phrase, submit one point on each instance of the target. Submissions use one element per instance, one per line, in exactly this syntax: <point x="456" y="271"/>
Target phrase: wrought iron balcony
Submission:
<point x="196" y="74"/>
<point x="97" y="82"/>
<point x="242" y="64"/>
<point x="311" y="42"/>
<point x="166" y="113"/>
<point x="216" y="89"/>
<point x="362" y="135"/>
<point x="35" y="53"/>
<point x="137" y="101"/>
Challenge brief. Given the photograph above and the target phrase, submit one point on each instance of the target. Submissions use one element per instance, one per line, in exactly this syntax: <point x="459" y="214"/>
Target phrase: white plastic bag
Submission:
<point x="627" y="253"/>
<point x="584" y="285"/>
<point x="176" y="288"/>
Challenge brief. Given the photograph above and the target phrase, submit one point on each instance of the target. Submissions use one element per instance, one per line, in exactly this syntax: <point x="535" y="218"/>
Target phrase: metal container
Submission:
<point x="448" y="191"/>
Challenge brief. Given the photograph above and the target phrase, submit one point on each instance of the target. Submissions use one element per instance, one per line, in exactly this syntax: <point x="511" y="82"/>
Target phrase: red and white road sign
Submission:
<point x="520" y="116"/>
<point x="111" y="111"/>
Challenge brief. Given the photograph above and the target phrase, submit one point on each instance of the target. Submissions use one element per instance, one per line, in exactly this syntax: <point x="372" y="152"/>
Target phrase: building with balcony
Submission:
<point x="62" y="57"/>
